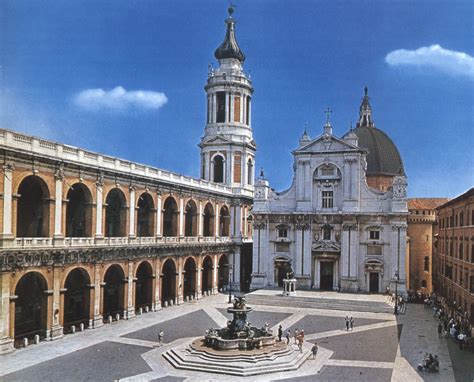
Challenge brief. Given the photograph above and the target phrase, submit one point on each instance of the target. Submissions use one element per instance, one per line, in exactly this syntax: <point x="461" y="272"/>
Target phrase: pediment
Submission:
<point x="326" y="246"/>
<point x="217" y="140"/>
<point x="326" y="143"/>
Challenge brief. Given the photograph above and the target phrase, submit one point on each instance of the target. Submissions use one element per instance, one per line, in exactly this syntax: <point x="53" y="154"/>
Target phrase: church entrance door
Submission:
<point x="327" y="275"/>
<point x="374" y="282"/>
<point x="282" y="267"/>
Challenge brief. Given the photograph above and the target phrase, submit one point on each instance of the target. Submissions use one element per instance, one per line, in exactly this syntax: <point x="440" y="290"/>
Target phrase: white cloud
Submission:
<point x="119" y="99"/>
<point x="436" y="57"/>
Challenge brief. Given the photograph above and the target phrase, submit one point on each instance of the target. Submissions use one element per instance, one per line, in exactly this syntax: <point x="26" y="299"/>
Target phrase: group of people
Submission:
<point x="349" y="323"/>
<point x="298" y="336"/>
<point x="458" y="329"/>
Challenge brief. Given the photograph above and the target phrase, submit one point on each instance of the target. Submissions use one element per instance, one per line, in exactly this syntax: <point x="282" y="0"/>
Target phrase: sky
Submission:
<point x="126" y="78"/>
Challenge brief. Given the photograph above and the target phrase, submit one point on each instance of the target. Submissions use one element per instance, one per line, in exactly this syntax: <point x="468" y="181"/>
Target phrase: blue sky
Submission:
<point x="303" y="56"/>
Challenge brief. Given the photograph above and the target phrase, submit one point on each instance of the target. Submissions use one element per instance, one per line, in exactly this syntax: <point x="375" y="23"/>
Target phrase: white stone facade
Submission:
<point x="335" y="231"/>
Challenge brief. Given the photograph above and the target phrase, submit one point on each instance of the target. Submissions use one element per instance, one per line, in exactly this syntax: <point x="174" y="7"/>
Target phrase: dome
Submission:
<point x="383" y="157"/>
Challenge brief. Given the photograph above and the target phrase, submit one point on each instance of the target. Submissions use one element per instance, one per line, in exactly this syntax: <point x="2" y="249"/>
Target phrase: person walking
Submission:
<point x="160" y="337"/>
<point x="347" y="323"/>
<point x="314" y="350"/>
<point x="440" y="330"/>
<point x="351" y="323"/>
<point x="288" y="336"/>
<point x="280" y="332"/>
<point x="295" y="335"/>
<point x="301" y="340"/>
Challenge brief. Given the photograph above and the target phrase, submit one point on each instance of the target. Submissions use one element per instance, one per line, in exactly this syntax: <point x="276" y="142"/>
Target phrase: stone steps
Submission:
<point x="320" y="303"/>
<point x="242" y="358"/>
<point x="201" y="361"/>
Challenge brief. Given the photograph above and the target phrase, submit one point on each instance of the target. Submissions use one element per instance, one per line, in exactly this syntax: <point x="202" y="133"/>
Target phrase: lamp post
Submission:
<point x="395" y="311"/>
<point x="230" y="283"/>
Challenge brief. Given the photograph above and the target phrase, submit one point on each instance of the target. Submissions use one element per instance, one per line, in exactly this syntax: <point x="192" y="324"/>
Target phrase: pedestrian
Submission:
<point x="295" y="336"/>
<point x="314" y="350"/>
<point x="280" y="332"/>
<point x="288" y="336"/>
<point x="301" y="340"/>
<point x="160" y="337"/>
<point x="440" y="330"/>
<point x="351" y="322"/>
<point x="347" y="323"/>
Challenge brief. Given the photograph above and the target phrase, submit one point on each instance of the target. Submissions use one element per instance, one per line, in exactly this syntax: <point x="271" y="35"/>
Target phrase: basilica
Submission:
<point x="342" y="223"/>
<point x="87" y="239"/>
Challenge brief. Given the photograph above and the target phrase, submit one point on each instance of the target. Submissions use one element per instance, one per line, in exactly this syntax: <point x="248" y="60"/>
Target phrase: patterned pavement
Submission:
<point x="128" y="350"/>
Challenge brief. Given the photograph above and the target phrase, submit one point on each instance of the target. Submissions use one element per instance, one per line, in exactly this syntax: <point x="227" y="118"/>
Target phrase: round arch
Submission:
<point x="114" y="291"/>
<point x="218" y="168"/>
<point x="144" y="286"/>
<point x="224" y="221"/>
<point x="145" y="215"/>
<point x="170" y="217"/>
<point x="190" y="219"/>
<point x="168" y="281"/>
<point x="76" y="298"/>
<point x="189" y="283"/>
<point x="79" y="211"/>
<point x="31" y="306"/>
<point x="223" y="272"/>
<point x="115" y="213"/>
<point x="33" y="208"/>
<point x="206" y="284"/>
<point x="208" y="220"/>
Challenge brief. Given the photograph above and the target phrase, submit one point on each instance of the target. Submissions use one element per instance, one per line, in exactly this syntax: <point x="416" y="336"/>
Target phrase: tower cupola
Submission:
<point x="229" y="47"/>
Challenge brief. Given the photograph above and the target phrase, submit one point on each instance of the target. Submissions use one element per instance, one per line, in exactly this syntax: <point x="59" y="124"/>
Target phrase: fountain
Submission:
<point x="239" y="333"/>
<point x="239" y="349"/>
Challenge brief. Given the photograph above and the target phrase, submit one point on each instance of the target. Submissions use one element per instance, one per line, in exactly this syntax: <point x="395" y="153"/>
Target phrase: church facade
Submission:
<point x="342" y="223"/>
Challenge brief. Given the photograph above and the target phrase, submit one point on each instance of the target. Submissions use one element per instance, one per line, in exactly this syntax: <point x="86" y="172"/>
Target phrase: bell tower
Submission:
<point x="227" y="147"/>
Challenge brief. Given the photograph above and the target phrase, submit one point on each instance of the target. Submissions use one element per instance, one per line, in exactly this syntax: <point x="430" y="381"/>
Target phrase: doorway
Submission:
<point x="374" y="282"/>
<point x="327" y="275"/>
<point x="282" y="267"/>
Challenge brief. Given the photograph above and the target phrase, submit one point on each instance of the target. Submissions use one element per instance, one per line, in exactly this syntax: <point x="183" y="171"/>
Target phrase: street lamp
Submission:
<point x="230" y="283"/>
<point x="395" y="311"/>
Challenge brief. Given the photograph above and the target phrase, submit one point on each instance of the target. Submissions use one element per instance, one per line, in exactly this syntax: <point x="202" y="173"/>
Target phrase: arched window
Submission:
<point x="115" y="214"/>
<point x="208" y="229"/>
<point x="79" y="211"/>
<point x="461" y="251"/>
<point x="427" y="264"/>
<point x="190" y="219"/>
<point x="33" y="208"/>
<point x="327" y="232"/>
<point x="423" y="283"/>
<point x="224" y="222"/>
<point x="218" y="169"/>
<point x="145" y="216"/>
<point x="170" y="217"/>
<point x="249" y="172"/>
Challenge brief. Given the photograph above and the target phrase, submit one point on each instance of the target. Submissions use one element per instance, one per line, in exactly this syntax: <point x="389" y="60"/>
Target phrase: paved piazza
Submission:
<point x="128" y="351"/>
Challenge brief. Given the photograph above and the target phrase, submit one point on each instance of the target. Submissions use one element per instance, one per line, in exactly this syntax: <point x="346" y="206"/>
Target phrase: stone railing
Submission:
<point x="14" y="140"/>
<point x="46" y="242"/>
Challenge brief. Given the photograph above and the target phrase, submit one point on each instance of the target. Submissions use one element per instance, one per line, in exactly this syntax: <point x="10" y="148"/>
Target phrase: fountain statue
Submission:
<point x="239" y="333"/>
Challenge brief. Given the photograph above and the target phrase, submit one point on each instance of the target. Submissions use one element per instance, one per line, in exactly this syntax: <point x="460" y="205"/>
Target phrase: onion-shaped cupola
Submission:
<point x="229" y="47"/>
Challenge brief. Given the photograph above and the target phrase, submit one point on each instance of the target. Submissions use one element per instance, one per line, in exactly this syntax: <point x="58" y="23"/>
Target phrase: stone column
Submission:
<point x="7" y="234"/>
<point x="130" y="310"/>
<point x="97" y="319"/>
<point x="199" y="278"/>
<point x="244" y="228"/>
<point x="235" y="261"/>
<point x="7" y="314"/>
<point x="99" y="210"/>
<point x="214" y="110"/>
<point x="159" y="214"/>
<point x="259" y="276"/>
<point x="181" y="216"/>
<point x="216" y="220"/>
<point x="215" y="268"/>
<point x="227" y="111"/>
<point x="244" y="167"/>
<point x="58" y="204"/>
<point x="56" y="330"/>
<point x="131" y="217"/>
<point x="200" y="219"/>
<point x="349" y="257"/>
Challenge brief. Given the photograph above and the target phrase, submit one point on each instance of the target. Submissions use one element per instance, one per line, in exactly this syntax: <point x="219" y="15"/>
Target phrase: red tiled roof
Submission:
<point x="425" y="203"/>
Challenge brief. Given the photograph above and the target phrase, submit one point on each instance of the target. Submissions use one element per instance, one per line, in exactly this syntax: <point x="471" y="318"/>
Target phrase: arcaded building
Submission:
<point x="342" y="223"/>
<point x="454" y="255"/>
<point x="422" y="228"/>
<point x="87" y="239"/>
